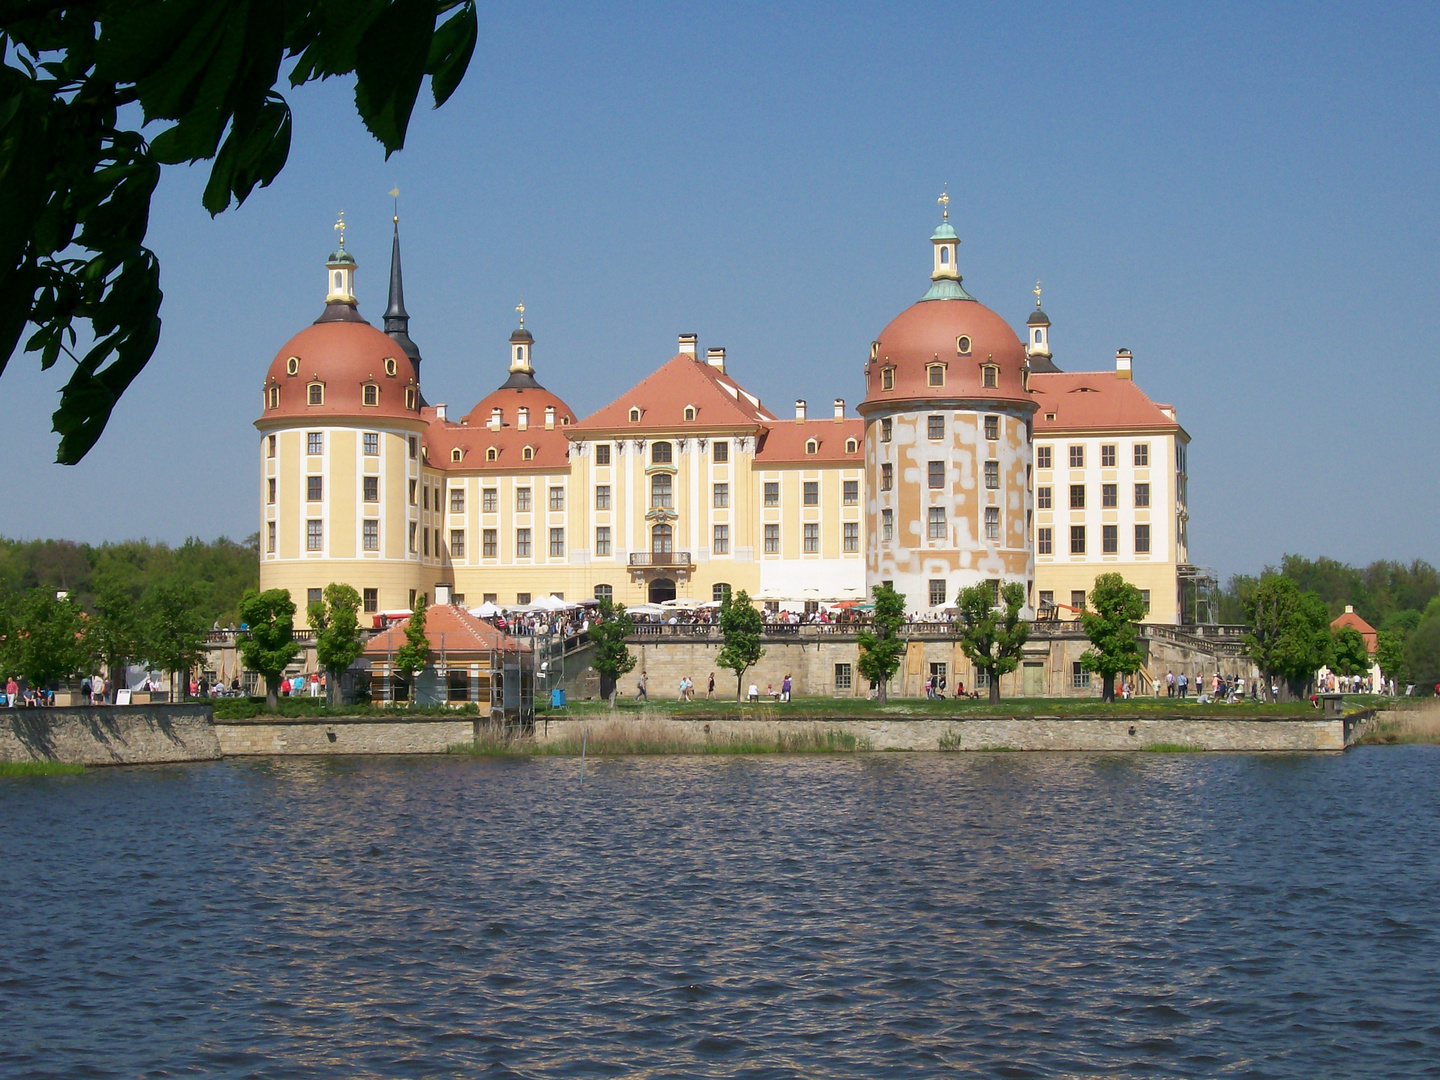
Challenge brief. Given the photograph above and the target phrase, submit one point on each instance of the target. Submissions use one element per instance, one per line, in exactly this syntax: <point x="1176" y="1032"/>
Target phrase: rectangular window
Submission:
<point x="722" y="496"/>
<point x="772" y="494"/>
<point x="557" y="543"/>
<point x="372" y="600"/>
<point x="490" y="500"/>
<point x="937" y="592"/>
<point x="414" y="448"/>
<point x="522" y="500"/>
<point x="1142" y="539"/>
<point x="992" y="523"/>
<point x="1077" y="599"/>
<point x="414" y="537"/>
<point x="605" y="592"/>
<point x="1142" y="455"/>
<point x="602" y="496"/>
<point x="314" y="535"/>
<point x="990" y="377"/>
<point x="315" y="442"/>
<point x="457" y="543"/>
<point x="1042" y="498"/>
<point x="992" y="474"/>
<point x="270" y="536"/>
<point x="772" y="539"/>
<point x="1077" y="457"/>
<point x="660" y="453"/>
<point x="662" y="490"/>
<point x="371" y="532"/>
<point x="852" y="492"/>
<point x="414" y="492"/>
<point x="602" y="453"/>
<point x="937" y="374"/>
<point x="1077" y="496"/>
<point x="372" y="443"/>
<point x="887" y="524"/>
<point x="887" y="429"/>
<point x="935" y="474"/>
<point x="1044" y="541"/>
<point x="314" y="488"/>
<point x="812" y="539"/>
<point x="851" y="536"/>
<point x="457" y="500"/>
<point x="844" y="677"/>
<point x="427" y="542"/>
<point x="427" y="497"/>
<point x="602" y="540"/>
<point x="1109" y="539"/>
<point x="1107" y="457"/>
<point x="1042" y="457"/>
<point x="887" y="378"/>
<point x="992" y="428"/>
<point x="1109" y="495"/>
<point x="935" y="524"/>
<point x="1079" y="677"/>
<point x="557" y="498"/>
<point x="490" y="543"/>
<point x="722" y="450"/>
<point x="721" y="545"/>
<point x="887" y="476"/>
<point x="935" y="427"/>
<point x="1047" y="596"/>
<point x="371" y="485"/>
<point x="1142" y="495"/>
<point x="270" y="446"/>
<point x="522" y="598"/>
<point x="1145" y="600"/>
<point x="812" y="492"/>
<point x="313" y="597"/>
<point x="270" y="491"/>
<point x="1077" y="539"/>
<point x="522" y="543"/>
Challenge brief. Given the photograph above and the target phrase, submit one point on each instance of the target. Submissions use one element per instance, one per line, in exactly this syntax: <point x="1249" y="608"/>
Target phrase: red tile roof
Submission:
<point x="474" y="437"/>
<point x="450" y="629"/>
<point x="719" y="402"/>
<point x="1094" y="400"/>
<point x="1355" y="622"/>
<point x="784" y="441"/>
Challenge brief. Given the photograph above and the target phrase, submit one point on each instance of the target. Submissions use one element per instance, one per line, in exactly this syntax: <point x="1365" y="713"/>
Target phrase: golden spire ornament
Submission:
<point x="395" y="194"/>
<point x="340" y="228"/>
<point x="520" y="307"/>
<point x="944" y="202"/>
<point x="1036" y="291"/>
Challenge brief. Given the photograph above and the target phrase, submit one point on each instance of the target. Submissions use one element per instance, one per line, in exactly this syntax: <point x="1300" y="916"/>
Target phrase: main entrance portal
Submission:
<point x="661" y="589"/>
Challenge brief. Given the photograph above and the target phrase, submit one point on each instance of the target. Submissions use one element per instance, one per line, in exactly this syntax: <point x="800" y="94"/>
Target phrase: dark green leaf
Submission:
<point x="389" y="66"/>
<point x="450" y="52"/>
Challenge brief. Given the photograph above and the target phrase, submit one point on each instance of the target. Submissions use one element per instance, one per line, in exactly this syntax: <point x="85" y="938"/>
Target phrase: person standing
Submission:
<point x="710" y="690"/>
<point x="785" y="688"/>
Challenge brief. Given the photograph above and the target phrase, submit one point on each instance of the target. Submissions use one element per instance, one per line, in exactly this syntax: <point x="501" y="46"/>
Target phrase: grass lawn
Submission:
<point x="39" y="768"/>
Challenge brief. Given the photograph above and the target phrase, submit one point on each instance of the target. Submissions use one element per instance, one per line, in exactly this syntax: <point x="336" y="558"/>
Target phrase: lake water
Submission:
<point x="859" y="916"/>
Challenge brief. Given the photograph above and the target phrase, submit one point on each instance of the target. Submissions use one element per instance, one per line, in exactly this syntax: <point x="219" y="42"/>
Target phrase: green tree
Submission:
<point x="414" y="655"/>
<point x="993" y="635"/>
<point x="740" y="629"/>
<point x="1422" y="655"/>
<point x="172" y="632"/>
<point x="336" y="622"/>
<point x="268" y="644"/>
<point x="612" y="656"/>
<point x="1390" y="654"/>
<point x="1109" y="621"/>
<point x="1402" y="622"/>
<point x="113" y="632"/>
<point x="881" y="647"/>
<point x="77" y="175"/>
<point x="1289" y="632"/>
<point x="42" y="638"/>
<point x="1349" y="654"/>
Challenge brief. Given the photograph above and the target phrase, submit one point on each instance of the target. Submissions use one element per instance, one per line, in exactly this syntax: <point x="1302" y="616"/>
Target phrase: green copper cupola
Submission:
<point x="946" y="244"/>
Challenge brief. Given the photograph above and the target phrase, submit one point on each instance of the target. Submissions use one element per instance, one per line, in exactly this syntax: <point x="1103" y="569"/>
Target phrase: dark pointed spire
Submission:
<point x="397" y="319"/>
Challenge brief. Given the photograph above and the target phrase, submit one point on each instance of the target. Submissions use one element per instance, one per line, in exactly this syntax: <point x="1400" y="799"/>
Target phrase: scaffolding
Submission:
<point x="1199" y="595"/>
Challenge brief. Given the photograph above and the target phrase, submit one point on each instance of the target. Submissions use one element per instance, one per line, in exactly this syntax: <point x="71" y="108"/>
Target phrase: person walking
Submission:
<point x="640" y="694"/>
<point x="1184" y="683"/>
<point x="1170" y="684"/>
<point x="710" y="690"/>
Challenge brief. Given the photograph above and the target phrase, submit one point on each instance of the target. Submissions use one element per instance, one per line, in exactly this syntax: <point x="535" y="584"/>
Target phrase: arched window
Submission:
<point x="990" y="376"/>
<point x="634" y="414"/>
<point x="604" y="592"/>
<point x="528" y="454"/>
<point x="519" y="352"/>
<point x="851" y="446"/>
<point x="811" y="446"/>
<point x="662" y="491"/>
<point x="719" y="591"/>
<point x="456" y="454"/>
<point x="935" y="374"/>
<point x="274" y="397"/>
<point x="944" y="256"/>
<point x="1037" y="337"/>
<point x="389" y="365"/>
<point x="689" y="412"/>
<point x="491" y="454"/>
<point x="662" y="540"/>
<point x="372" y="394"/>
<point x="339" y="280"/>
<point x="661" y="453"/>
<point x="317" y="393"/>
<point x="409" y="397"/>
<point x="887" y="378"/>
<point x="292" y="366"/>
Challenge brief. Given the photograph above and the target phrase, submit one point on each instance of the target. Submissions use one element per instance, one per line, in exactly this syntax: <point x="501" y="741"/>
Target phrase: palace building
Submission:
<point x="974" y="459"/>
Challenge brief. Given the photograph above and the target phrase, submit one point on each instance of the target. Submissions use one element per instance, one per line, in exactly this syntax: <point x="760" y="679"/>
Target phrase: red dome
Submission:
<point x="343" y="357"/>
<point x="932" y="331"/>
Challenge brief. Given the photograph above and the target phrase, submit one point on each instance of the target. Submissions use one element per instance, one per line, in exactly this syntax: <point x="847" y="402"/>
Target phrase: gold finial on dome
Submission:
<point x="944" y="202"/>
<point x="520" y="307"/>
<point x="340" y="228"/>
<point x="1036" y="291"/>
<point x="395" y="194"/>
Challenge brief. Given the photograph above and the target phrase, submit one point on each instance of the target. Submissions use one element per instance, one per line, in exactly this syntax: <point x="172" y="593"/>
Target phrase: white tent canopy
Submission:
<point x="487" y="610"/>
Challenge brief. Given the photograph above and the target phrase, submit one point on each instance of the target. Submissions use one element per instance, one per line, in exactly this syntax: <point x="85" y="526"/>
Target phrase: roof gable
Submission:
<point x="1073" y="400"/>
<point x="662" y="397"/>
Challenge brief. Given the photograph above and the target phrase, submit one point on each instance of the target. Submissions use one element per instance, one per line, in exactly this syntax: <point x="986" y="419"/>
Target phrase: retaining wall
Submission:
<point x="358" y="735"/>
<point x="109" y="734"/>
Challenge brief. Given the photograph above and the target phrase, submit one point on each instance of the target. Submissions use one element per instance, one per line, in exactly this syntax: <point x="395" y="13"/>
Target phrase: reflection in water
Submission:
<point x="1006" y="914"/>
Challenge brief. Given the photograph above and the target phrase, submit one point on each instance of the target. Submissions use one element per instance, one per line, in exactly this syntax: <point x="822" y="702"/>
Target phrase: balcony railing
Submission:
<point x="660" y="558"/>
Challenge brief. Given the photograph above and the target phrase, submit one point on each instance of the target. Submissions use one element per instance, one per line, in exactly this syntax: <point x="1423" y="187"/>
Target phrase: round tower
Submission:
<point x="947" y="444"/>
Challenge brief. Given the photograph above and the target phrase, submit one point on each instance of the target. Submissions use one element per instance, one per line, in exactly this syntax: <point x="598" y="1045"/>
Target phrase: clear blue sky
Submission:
<point x="1245" y="196"/>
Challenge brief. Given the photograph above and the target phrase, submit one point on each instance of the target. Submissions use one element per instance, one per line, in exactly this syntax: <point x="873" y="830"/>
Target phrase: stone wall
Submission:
<point x="342" y="735"/>
<point x="1018" y="733"/>
<point x="109" y="735"/>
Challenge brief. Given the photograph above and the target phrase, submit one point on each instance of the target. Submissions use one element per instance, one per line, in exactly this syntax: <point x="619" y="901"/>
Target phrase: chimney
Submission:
<point x="549" y="417"/>
<point x="716" y="359"/>
<point x="442" y="594"/>
<point x="1122" y="364"/>
<point x="799" y="410"/>
<point x="522" y="418"/>
<point x="839" y="409"/>
<point x="1349" y="609"/>
<point x="440" y="412"/>
<point x="688" y="344"/>
<point x="496" y="419"/>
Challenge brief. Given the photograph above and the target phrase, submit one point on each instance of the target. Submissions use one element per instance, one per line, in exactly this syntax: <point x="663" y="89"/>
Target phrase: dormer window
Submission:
<point x="316" y="393"/>
<point x="456" y="454"/>
<point x="851" y="446"/>
<point x="528" y="454"/>
<point x="410" y="397"/>
<point x="811" y="446"/>
<point x="990" y="376"/>
<point x="292" y="366"/>
<point x="491" y="454"/>
<point x="935" y="374"/>
<point x="634" y="414"/>
<point x="370" y="395"/>
<point x="887" y="378"/>
<point x="962" y="344"/>
<point x="874" y="351"/>
<point x="274" y="397"/>
<point x="689" y="412"/>
<point x="390" y="365"/>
